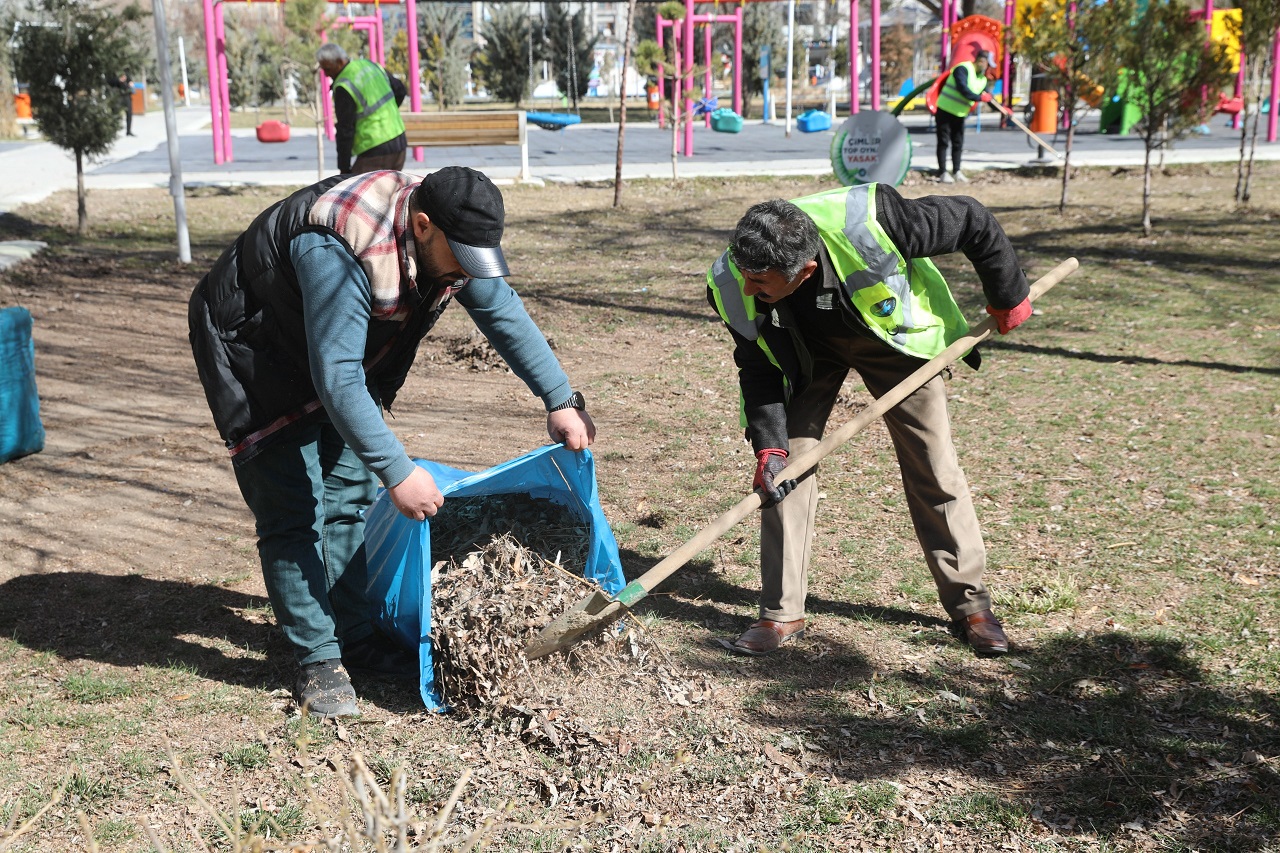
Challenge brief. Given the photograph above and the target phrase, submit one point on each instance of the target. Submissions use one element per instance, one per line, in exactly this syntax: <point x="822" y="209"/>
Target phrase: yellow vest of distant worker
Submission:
<point x="377" y="116"/>
<point x="949" y="98"/>
<point x="904" y="302"/>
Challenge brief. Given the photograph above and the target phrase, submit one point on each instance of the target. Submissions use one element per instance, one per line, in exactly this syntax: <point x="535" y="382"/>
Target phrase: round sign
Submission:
<point x="871" y="147"/>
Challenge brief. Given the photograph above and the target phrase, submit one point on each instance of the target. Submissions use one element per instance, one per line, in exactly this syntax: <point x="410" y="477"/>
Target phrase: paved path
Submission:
<point x="581" y="153"/>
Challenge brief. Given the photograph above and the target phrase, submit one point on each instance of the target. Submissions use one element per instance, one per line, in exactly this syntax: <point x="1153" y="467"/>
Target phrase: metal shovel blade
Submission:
<point x="591" y="614"/>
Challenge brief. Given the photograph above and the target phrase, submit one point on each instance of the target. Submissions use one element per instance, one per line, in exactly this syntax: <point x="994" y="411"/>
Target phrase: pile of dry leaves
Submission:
<point x="505" y="566"/>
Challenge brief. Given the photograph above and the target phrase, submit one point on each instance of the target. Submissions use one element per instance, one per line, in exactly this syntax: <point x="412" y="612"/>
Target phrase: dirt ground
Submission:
<point x="141" y="662"/>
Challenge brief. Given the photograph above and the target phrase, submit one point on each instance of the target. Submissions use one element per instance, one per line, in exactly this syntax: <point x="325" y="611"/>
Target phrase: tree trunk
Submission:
<point x="1146" y="188"/>
<point x="1253" y="146"/>
<point x="8" y="110"/>
<point x="1066" y="156"/>
<point x="622" y="108"/>
<point x="82" y="213"/>
<point x="1244" y="133"/>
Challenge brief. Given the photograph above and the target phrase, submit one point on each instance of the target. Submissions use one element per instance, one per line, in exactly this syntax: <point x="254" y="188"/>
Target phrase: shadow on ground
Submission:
<point x="1112" y="734"/>
<point x="130" y="620"/>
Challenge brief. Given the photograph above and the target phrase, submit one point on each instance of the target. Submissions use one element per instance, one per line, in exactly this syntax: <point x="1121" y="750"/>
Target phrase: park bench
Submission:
<point x="496" y="127"/>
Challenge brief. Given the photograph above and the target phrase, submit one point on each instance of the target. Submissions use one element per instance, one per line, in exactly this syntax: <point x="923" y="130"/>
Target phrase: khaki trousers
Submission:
<point x="937" y="492"/>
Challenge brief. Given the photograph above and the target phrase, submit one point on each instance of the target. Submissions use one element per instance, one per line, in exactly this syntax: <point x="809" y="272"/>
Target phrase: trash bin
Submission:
<point x="138" y="102"/>
<point x="21" y="432"/>
<point x="1044" y="115"/>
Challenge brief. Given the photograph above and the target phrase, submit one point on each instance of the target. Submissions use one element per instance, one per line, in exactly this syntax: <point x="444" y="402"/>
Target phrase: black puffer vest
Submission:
<point x="250" y="342"/>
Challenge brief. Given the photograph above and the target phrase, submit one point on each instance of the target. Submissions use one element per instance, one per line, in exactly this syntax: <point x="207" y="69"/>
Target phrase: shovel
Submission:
<point x="598" y="610"/>
<point x="1008" y="113"/>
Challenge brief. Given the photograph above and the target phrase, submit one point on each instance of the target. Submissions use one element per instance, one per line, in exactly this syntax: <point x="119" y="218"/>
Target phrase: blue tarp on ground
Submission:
<point x="399" y="548"/>
<point x="21" y="432"/>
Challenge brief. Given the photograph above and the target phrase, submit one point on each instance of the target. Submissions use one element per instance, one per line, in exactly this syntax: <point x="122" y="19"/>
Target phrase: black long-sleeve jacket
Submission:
<point x="919" y="228"/>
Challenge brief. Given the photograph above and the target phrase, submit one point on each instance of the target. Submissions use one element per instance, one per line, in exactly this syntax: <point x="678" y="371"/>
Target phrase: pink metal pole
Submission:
<point x="214" y="88"/>
<point x="875" y="55"/>
<point x="1006" y="75"/>
<point x="1239" y="93"/>
<point x="1275" y="89"/>
<point x="220" y="37"/>
<point x="326" y="96"/>
<point x="737" y="60"/>
<point x="688" y="89"/>
<point x="707" y="84"/>
<point x="415" y="79"/>
<point x="855" y="54"/>
<point x="660" y="26"/>
<point x="943" y="64"/>
<point x="675" y="75"/>
<point x="1073" y="16"/>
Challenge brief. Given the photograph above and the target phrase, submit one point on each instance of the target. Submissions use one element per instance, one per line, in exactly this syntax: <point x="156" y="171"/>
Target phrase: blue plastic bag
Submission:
<point x="21" y="432"/>
<point x="399" y="549"/>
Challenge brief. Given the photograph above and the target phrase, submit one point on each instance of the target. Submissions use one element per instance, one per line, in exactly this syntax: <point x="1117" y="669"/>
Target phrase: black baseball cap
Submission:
<point x="467" y="207"/>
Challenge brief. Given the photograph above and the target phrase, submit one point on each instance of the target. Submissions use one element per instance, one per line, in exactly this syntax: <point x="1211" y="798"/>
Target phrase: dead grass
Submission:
<point x="1121" y="448"/>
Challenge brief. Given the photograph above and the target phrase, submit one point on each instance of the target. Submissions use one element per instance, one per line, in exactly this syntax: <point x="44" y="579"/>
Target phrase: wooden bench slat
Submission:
<point x="446" y="129"/>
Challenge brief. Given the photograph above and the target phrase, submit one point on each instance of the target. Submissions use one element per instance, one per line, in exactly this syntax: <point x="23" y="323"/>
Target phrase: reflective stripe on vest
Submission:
<point x="377" y="116"/>
<point x="908" y="306"/>
<point x="949" y="98"/>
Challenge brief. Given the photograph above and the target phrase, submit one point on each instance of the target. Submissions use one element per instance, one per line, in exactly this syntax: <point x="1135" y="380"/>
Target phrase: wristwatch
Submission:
<point x="575" y="401"/>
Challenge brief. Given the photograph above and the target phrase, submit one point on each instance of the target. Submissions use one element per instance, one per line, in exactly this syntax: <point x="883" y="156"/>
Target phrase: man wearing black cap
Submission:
<point x="303" y="332"/>
<point x="965" y="85"/>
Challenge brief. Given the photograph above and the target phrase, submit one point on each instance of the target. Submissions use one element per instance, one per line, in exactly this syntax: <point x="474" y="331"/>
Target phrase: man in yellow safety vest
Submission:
<point x="366" y="110"/>
<point x="965" y="85"/>
<point x="841" y="281"/>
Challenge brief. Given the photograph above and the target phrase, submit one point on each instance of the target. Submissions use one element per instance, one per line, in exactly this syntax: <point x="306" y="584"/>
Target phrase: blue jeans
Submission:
<point x="308" y="494"/>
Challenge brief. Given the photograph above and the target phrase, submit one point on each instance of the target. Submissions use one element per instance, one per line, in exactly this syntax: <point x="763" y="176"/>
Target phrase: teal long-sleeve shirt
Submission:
<point x="336" y="300"/>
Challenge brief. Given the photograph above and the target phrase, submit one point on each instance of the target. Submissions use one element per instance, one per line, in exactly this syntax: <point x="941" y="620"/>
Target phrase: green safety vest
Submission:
<point x="949" y="98"/>
<point x="377" y="116"/>
<point x="905" y="303"/>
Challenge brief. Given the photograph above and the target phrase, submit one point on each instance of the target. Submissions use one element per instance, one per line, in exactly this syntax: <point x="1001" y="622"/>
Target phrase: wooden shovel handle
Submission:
<point x="641" y="586"/>
<point x="1008" y="113"/>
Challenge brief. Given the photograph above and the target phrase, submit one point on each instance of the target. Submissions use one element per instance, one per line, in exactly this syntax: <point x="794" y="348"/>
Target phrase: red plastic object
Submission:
<point x="273" y="131"/>
<point x="1230" y="106"/>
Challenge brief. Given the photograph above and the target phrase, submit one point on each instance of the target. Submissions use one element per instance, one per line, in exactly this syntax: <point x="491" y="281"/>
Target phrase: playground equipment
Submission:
<point x="812" y="121"/>
<point x="370" y="24"/>
<point x="553" y="121"/>
<point x="682" y="36"/>
<point x="969" y="37"/>
<point x="215" y="38"/>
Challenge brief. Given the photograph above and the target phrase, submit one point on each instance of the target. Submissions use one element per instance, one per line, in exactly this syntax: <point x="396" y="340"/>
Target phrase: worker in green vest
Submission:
<point x="366" y="112"/>
<point x="965" y="85"/>
<point x="841" y="281"/>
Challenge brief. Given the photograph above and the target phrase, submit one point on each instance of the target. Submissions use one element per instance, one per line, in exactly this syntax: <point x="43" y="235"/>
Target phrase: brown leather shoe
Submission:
<point x="765" y="637"/>
<point x="983" y="632"/>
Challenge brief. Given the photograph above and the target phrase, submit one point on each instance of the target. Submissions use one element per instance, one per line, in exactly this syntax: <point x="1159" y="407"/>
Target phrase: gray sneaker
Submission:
<point x="946" y="178"/>
<point x="323" y="689"/>
<point x="959" y="176"/>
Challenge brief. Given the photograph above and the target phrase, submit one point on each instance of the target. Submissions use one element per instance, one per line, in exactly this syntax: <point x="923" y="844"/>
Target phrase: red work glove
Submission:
<point x="769" y="463"/>
<point x="1008" y="319"/>
<point x="985" y="97"/>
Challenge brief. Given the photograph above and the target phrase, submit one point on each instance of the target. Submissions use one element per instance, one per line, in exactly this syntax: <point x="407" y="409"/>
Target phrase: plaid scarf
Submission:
<point x="371" y="212"/>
